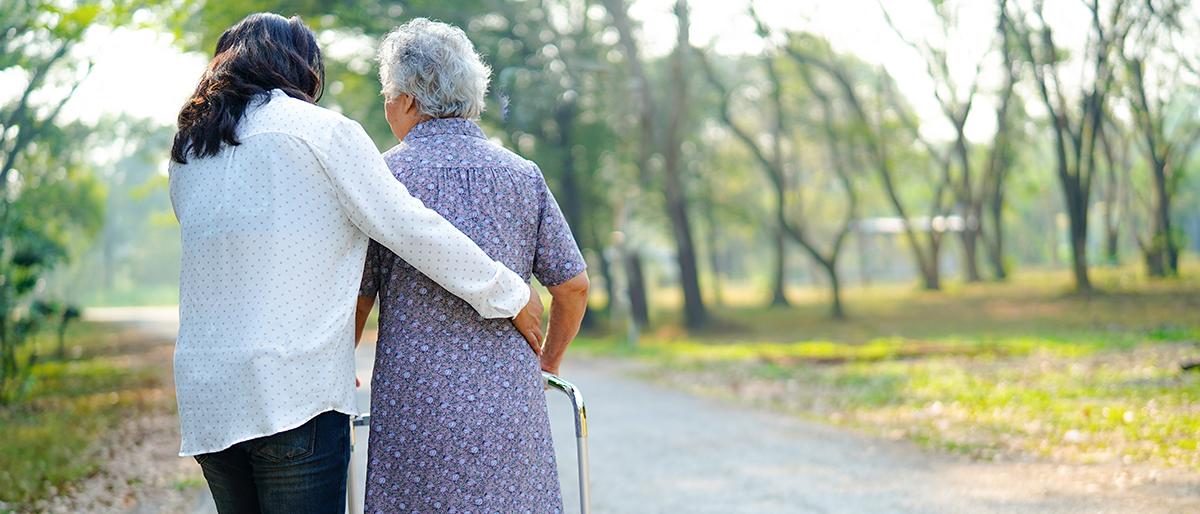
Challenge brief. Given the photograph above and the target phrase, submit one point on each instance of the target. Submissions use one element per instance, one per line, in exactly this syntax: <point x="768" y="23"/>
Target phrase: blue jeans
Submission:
<point x="300" y="471"/>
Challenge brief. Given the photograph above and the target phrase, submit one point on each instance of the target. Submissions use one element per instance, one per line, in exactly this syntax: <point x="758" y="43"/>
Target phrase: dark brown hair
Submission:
<point x="262" y="52"/>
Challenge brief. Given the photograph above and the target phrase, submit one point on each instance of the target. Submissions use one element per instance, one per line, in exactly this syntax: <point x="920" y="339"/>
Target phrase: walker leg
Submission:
<point x="351" y="483"/>
<point x="585" y="494"/>
<point x="352" y="506"/>
<point x="581" y="433"/>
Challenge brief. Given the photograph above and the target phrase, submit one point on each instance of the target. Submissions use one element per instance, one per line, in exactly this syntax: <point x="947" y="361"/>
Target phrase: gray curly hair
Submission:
<point x="437" y="65"/>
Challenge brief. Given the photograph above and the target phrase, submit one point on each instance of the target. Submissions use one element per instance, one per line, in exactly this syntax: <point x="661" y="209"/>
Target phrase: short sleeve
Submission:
<point x="372" y="273"/>
<point x="557" y="258"/>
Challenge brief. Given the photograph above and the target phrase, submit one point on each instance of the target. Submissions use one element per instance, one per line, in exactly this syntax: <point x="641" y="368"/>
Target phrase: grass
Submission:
<point x="1018" y="370"/>
<point x="47" y="434"/>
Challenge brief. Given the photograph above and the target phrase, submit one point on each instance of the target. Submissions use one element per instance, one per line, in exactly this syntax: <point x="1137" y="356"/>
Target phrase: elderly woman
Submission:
<point x="459" y="415"/>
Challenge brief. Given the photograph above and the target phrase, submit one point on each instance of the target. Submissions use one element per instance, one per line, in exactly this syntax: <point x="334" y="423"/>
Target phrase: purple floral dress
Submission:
<point x="459" y="419"/>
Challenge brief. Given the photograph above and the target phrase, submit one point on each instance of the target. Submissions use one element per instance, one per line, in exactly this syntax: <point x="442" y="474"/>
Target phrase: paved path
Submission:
<point x="660" y="451"/>
<point x="655" y="450"/>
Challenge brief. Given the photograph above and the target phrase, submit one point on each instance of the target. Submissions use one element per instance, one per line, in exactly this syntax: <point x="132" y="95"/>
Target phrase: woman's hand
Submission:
<point x="529" y="321"/>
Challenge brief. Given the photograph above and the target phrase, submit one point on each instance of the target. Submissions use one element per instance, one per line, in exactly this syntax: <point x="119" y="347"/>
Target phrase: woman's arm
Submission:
<point x="361" y="312"/>
<point x="382" y="208"/>
<point x="379" y="205"/>
<point x="568" y="303"/>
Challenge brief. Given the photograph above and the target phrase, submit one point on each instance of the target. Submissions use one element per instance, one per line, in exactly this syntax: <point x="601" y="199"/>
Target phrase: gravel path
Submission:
<point x="655" y="450"/>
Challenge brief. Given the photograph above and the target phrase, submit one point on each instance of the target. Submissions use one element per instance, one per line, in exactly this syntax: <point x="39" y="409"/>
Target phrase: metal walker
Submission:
<point x="551" y="381"/>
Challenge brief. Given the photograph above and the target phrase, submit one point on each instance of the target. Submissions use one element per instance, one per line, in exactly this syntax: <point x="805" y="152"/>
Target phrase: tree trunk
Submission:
<point x="1112" y="244"/>
<point x="970" y="246"/>
<point x="714" y="257"/>
<point x="572" y="201"/>
<point x="967" y="198"/>
<point x="1162" y="254"/>
<point x="1154" y="262"/>
<point x="1079" y="265"/>
<point x="1172" y="255"/>
<point x="779" y="270"/>
<point x="1162" y="258"/>
<point x="1112" y="233"/>
<point x="836" y="311"/>
<point x="639" y="305"/>
<point x="606" y="273"/>
<point x="995" y="243"/>
<point x="931" y="270"/>
<point x="695" y="314"/>
<point x="1075" y="194"/>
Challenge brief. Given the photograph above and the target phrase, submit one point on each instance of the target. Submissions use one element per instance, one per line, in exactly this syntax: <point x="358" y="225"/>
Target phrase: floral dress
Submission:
<point x="459" y="420"/>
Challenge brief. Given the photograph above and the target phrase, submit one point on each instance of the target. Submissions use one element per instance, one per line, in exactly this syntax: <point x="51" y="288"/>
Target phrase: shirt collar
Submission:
<point x="443" y="126"/>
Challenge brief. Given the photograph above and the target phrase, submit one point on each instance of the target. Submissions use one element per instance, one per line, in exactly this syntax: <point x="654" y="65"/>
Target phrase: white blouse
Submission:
<point x="275" y="234"/>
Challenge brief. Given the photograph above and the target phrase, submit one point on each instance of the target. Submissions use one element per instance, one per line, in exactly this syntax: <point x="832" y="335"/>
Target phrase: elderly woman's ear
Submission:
<point x="402" y="114"/>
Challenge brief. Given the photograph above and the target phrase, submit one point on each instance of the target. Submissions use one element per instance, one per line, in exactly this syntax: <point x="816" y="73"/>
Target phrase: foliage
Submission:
<point x="564" y="96"/>
<point x="49" y="202"/>
<point x="1160" y="87"/>
<point x="48" y="214"/>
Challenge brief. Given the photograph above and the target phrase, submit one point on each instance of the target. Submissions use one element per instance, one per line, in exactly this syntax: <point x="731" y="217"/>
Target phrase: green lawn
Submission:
<point x="996" y="371"/>
<point x="112" y="374"/>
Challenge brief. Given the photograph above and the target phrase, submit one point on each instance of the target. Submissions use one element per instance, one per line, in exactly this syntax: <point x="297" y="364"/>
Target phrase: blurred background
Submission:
<point x="964" y="231"/>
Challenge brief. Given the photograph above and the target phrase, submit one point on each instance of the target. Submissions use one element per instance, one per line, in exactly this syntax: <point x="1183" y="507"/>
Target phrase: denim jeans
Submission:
<point x="300" y="471"/>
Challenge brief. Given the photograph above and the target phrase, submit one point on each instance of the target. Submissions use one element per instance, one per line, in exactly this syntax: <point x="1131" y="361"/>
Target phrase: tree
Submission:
<point x="1076" y="128"/>
<point x="770" y="149"/>
<point x="956" y="105"/>
<point x="1002" y="153"/>
<point x="875" y="131"/>
<point x="665" y="140"/>
<point x="1157" y="98"/>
